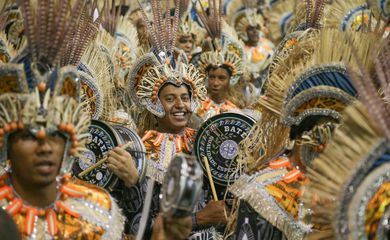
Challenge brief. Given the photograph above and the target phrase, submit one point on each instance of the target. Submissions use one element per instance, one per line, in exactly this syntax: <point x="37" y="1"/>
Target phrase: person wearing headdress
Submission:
<point x="169" y="91"/>
<point x="220" y="61"/>
<point x="249" y="24"/>
<point x="307" y="99"/>
<point x="348" y="193"/>
<point x="43" y="128"/>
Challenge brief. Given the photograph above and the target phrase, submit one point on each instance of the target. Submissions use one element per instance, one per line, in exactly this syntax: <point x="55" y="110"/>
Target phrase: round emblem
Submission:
<point x="228" y="149"/>
<point x="218" y="140"/>
<point x="87" y="160"/>
<point x="102" y="140"/>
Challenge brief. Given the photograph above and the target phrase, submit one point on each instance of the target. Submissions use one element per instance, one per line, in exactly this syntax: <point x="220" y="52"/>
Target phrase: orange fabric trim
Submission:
<point x="179" y="143"/>
<point x="280" y="162"/>
<point x="71" y="191"/>
<point x="29" y="222"/>
<point x="159" y="139"/>
<point x="5" y="192"/>
<point x="14" y="207"/>
<point x="292" y="176"/>
<point x="51" y="219"/>
<point x="148" y="134"/>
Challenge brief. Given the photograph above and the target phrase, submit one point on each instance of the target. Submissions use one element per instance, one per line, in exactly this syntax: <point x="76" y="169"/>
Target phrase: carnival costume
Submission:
<point x="243" y="14"/>
<point x="42" y="97"/>
<point x="317" y="87"/>
<point x="348" y="193"/>
<point x="224" y="50"/>
<point x="151" y="72"/>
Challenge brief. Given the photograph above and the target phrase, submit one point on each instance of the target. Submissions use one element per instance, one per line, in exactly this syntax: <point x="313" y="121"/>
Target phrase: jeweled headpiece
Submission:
<point x="159" y="67"/>
<point x="36" y="93"/>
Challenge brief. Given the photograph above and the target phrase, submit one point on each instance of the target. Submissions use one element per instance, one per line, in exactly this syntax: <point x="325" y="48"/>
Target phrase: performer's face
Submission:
<point x="253" y="33"/>
<point x="177" y="105"/>
<point x="35" y="162"/>
<point x="186" y="43"/>
<point x="218" y="84"/>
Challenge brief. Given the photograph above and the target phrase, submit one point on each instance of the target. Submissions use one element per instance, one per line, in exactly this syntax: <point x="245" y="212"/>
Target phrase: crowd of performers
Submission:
<point x="202" y="119"/>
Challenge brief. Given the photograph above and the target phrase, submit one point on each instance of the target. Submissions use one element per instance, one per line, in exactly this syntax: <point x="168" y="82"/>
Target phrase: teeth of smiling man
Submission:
<point x="178" y="114"/>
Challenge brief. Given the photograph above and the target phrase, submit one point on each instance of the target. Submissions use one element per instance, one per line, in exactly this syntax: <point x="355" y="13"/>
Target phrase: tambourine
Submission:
<point x="105" y="137"/>
<point x="218" y="140"/>
<point x="182" y="186"/>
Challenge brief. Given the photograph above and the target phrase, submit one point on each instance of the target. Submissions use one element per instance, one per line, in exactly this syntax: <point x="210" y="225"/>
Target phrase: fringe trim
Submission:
<point x="209" y="232"/>
<point x="155" y="171"/>
<point x="257" y="196"/>
<point x="117" y="223"/>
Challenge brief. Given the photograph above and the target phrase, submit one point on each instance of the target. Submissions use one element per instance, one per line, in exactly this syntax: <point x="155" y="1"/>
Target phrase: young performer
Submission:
<point x="169" y="91"/>
<point x="221" y="63"/>
<point x="43" y="128"/>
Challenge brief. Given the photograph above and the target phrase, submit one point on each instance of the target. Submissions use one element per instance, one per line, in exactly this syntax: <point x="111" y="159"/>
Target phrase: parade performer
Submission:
<point x="249" y="26"/>
<point x="221" y="62"/>
<point x="169" y="91"/>
<point x="348" y="189"/>
<point x="316" y="92"/>
<point x="44" y="127"/>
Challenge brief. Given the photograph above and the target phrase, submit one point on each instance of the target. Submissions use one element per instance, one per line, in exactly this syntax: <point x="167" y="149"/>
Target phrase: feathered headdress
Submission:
<point x="349" y="183"/>
<point x="316" y="85"/>
<point x="308" y="14"/>
<point x="37" y="94"/>
<point x="350" y="15"/>
<point x="225" y="48"/>
<point x="280" y="16"/>
<point x="242" y="14"/>
<point x="159" y="67"/>
<point x="381" y="8"/>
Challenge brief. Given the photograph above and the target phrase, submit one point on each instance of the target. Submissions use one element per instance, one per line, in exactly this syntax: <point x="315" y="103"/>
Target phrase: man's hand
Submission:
<point x="171" y="228"/>
<point x="121" y="163"/>
<point x="213" y="214"/>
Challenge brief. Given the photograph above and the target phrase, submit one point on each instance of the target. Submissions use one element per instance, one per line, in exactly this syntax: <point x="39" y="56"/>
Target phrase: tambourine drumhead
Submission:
<point x="104" y="138"/>
<point x="218" y="139"/>
<point x="181" y="187"/>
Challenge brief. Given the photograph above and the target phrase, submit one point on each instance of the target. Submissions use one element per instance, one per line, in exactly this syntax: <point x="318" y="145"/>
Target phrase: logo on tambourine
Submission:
<point x="102" y="140"/>
<point x="218" y="139"/>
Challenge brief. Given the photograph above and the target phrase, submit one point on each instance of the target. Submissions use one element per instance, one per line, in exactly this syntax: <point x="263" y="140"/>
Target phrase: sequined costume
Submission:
<point x="81" y="211"/>
<point x="276" y="191"/>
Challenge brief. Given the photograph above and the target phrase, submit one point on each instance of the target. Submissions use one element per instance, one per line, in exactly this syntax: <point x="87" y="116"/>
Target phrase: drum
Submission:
<point x="182" y="186"/>
<point x="218" y="139"/>
<point x="105" y="137"/>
